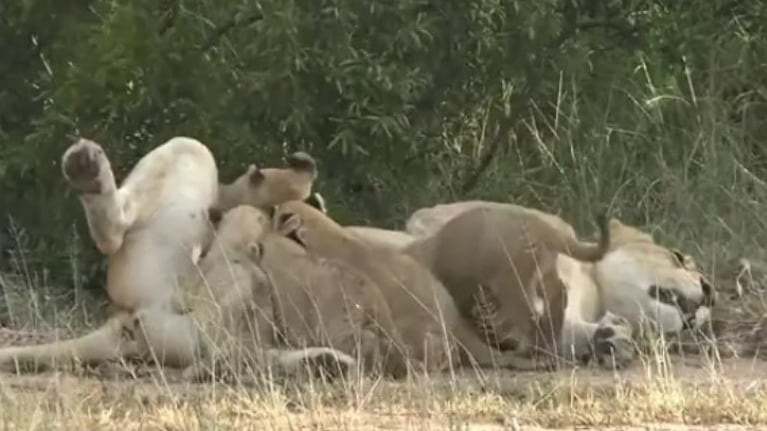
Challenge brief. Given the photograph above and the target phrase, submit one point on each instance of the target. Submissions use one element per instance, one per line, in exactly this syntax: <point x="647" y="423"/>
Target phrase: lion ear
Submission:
<point x="286" y="223"/>
<point x="214" y="216"/>
<point x="255" y="176"/>
<point x="298" y="236"/>
<point x="317" y="201"/>
<point x="303" y="163"/>
<point x="678" y="256"/>
<point x="255" y="251"/>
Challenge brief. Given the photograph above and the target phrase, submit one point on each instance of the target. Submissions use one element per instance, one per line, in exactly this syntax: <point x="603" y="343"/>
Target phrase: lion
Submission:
<point x="513" y="264"/>
<point x="292" y="299"/>
<point x="435" y="334"/>
<point x="152" y="229"/>
<point x="425" y="221"/>
<point x="527" y="266"/>
<point x="381" y="237"/>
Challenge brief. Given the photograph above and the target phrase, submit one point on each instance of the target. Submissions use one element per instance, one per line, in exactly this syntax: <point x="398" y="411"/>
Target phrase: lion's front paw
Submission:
<point x="86" y="167"/>
<point x="612" y="341"/>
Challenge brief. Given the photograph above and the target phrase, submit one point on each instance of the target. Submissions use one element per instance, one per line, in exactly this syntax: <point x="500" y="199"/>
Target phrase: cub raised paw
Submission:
<point x="612" y="342"/>
<point x="87" y="168"/>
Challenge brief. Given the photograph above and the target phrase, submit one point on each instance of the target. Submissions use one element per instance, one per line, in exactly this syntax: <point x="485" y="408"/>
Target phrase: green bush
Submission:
<point x="652" y="108"/>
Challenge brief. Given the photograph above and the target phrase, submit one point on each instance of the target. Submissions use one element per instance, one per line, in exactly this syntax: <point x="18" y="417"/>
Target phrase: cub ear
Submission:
<point x="317" y="201"/>
<point x="287" y="223"/>
<point x="255" y="175"/>
<point x="298" y="236"/>
<point x="255" y="251"/>
<point x="214" y="216"/>
<point x="302" y="162"/>
<point x="678" y="256"/>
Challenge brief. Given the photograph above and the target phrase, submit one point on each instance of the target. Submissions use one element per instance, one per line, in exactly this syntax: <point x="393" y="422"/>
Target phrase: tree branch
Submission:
<point x="168" y="13"/>
<point x="569" y="29"/>
<point x="236" y="20"/>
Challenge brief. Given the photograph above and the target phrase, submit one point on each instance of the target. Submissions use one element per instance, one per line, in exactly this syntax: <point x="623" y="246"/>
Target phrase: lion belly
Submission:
<point x="174" y="187"/>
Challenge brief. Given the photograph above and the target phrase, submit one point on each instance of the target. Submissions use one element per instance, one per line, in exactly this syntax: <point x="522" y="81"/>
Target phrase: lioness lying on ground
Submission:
<point x="423" y="312"/>
<point x="153" y="228"/>
<point x="631" y="278"/>
<point x="289" y="299"/>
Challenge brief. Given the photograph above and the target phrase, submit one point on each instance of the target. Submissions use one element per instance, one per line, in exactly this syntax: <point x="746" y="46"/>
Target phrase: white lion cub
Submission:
<point x="152" y="229"/>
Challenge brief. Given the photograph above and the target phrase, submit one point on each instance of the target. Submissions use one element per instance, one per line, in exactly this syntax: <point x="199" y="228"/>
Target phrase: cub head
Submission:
<point x="238" y="234"/>
<point x="643" y="280"/>
<point x="266" y="187"/>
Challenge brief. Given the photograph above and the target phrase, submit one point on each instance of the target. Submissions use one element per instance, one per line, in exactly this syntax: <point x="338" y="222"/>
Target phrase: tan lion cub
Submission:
<point x="512" y="263"/>
<point x="149" y="227"/>
<point x="289" y="299"/>
<point x="422" y="309"/>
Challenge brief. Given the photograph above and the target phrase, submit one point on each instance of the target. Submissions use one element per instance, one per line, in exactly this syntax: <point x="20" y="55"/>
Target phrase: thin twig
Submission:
<point x="236" y="20"/>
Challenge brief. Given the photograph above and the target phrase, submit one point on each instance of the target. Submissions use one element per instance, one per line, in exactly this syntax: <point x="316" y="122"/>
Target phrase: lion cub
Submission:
<point x="152" y="227"/>
<point x="422" y="309"/>
<point x="507" y="256"/>
<point x="261" y="290"/>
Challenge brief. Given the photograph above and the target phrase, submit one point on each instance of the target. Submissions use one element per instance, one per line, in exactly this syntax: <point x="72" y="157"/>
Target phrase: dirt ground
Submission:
<point x="499" y="401"/>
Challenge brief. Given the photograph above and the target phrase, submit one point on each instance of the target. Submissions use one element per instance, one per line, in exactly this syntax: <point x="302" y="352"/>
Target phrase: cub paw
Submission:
<point x="86" y="167"/>
<point x="613" y="343"/>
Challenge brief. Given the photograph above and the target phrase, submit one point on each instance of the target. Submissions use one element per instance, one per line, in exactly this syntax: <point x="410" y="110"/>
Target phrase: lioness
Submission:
<point x="608" y="289"/>
<point x="426" y="221"/>
<point x="421" y="308"/>
<point x="381" y="237"/>
<point x="291" y="299"/>
<point x="152" y="229"/>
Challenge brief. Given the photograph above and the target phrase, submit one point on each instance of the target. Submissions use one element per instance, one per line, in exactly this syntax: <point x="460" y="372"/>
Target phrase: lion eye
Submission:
<point x="663" y="295"/>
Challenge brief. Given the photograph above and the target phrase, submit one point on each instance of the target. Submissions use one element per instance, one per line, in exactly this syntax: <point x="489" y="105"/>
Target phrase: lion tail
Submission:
<point x="589" y="251"/>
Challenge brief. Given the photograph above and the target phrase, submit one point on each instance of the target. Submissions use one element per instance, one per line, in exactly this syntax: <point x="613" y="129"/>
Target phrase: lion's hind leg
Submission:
<point x="105" y="343"/>
<point x="107" y="208"/>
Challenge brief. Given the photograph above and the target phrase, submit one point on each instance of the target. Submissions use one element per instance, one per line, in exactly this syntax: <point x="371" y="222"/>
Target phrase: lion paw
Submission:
<point x="86" y="167"/>
<point x="612" y="341"/>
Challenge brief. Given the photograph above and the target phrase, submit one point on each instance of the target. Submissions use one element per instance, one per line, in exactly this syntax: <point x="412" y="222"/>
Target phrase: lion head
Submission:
<point x="266" y="187"/>
<point x="645" y="281"/>
<point x="234" y="255"/>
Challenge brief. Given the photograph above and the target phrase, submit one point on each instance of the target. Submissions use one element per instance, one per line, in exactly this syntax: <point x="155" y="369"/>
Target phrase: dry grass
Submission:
<point x="691" y="394"/>
<point x="671" y="391"/>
